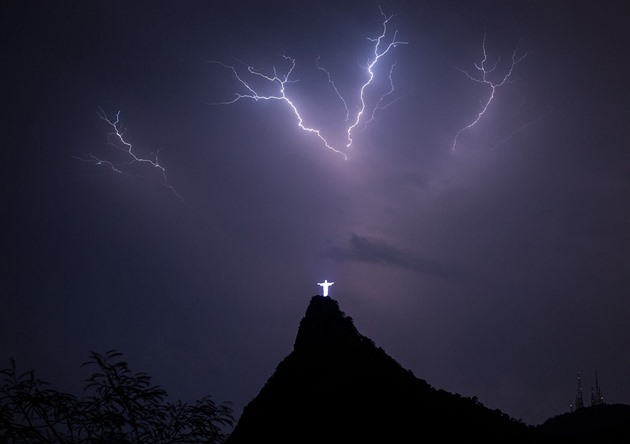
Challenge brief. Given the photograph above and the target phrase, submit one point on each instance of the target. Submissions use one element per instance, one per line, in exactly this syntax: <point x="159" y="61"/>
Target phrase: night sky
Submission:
<point x="497" y="270"/>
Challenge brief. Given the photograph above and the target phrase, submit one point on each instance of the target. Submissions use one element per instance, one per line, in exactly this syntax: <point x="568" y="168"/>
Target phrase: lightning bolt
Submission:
<point x="378" y="54"/>
<point x="334" y="87"/>
<point x="483" y="71"/>
<point x="279" y="81"/>
<point x="382" y="46"/>
<point x="381" y="104"/>
<point x="518" y="130"/>
<point x="117" y="140"/>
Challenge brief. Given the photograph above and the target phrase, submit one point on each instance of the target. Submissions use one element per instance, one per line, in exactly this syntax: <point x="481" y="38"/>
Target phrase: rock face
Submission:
<point x="338" y="387"/>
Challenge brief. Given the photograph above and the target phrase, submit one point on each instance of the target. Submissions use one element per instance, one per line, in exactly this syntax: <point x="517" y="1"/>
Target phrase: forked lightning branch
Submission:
<point x="374" y="91"/>
<point x="280" y="82"/>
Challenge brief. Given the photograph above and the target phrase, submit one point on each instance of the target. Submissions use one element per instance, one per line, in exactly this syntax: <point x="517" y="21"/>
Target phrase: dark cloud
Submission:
<point x="376" y="251"/>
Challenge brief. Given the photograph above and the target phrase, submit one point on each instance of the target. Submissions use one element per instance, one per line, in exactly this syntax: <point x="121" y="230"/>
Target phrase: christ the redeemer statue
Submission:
<point x="325" y="286"/>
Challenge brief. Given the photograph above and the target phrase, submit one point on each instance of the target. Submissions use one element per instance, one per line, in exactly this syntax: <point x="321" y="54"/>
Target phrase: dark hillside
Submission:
<point x="607" y="423"/>
<point x="337" y="386"/>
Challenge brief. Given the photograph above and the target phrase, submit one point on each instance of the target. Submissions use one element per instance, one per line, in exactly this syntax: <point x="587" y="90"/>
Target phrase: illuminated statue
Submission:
<point x="325" y="286"/>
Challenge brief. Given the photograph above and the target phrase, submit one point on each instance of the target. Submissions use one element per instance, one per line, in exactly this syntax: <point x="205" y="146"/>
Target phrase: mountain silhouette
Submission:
<point x="606" y="423"/>
<point x="337" y="386"/>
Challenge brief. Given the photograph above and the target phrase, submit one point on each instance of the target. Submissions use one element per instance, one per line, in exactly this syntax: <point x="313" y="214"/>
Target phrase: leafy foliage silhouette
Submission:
<point x="120" y="407"/>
